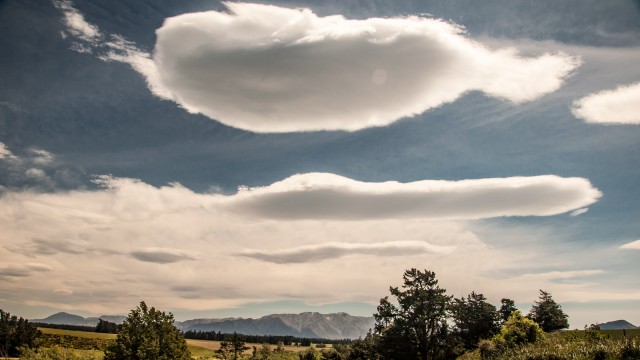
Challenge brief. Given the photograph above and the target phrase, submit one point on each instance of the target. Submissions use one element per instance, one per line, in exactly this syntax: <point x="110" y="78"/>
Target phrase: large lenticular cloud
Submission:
<point x="333" y="197"/>
<point x="270" y="69"/>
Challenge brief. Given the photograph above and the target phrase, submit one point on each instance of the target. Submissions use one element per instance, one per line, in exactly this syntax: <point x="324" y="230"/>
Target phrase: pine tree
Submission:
<point x="548" y="314"/>
<point x="417" y="327"/>
<point x="474" y="319"/>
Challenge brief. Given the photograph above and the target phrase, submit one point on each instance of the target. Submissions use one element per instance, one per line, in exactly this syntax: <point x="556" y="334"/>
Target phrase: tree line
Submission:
<point x="286" y="340"/>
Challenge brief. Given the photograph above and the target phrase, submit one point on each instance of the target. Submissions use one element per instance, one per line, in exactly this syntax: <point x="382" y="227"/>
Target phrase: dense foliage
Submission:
<point x="106" y="327"/>
<point x="148" y="334"/>
<point x="15" y="333"/>
<point x="474" y="319"/>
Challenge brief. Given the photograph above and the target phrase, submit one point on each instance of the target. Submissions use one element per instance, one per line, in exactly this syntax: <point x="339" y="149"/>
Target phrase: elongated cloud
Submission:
<point x="271" y="69"/>
<point x="329" y="196"/>
<point x="561" y="275"/>
<point x="333" y="250"/>
<point x="265" y="68"/>
<point x="618" y="106"/>
<point x="634" y="245"/>
<point x="162" y="255"/>
<point x="22" y="270"/>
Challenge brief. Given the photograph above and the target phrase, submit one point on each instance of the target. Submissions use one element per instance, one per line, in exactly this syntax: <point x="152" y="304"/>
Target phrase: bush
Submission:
<point x="518" y="330"/>
<point x="515" y="332"/>
<point x="15" y="333"/>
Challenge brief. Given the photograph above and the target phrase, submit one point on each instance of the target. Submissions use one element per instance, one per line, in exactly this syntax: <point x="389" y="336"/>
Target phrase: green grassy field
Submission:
<point x="200" y="349"/>
<point x="575" y="345"/>
<point x="81" y="334"/>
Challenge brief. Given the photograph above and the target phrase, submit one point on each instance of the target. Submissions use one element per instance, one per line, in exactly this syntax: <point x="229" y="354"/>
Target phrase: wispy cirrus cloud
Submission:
<point x="76" y="23"/>
<point x="265" y="68"/>
<point x="329" y="196"/>
<point x="617" y="106"/>
<point x="560" y="275"/>
<point x="333" y="250"/>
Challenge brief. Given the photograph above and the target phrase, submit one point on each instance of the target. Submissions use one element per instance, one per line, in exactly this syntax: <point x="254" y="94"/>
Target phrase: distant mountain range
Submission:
<point x="308" y="324"/>
<point x="63" y="318"/>
<point x="617" y="325"/>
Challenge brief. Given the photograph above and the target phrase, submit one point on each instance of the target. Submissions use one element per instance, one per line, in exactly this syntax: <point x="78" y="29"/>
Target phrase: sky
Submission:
<point x="228" y="159"/>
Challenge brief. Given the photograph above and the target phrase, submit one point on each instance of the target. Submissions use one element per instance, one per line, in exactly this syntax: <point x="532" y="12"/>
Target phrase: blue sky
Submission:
<point x="238" y="159"/>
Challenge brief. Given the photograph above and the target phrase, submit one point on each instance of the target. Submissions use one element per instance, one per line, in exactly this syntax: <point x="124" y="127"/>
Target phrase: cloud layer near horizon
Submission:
<point x="617" y="106"/>
<point x="132" y="240"/>
<point x="265" y="68"/>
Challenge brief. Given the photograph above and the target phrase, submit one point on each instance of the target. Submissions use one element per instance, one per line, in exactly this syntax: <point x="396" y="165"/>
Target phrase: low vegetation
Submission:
<point x="421" y="322"/>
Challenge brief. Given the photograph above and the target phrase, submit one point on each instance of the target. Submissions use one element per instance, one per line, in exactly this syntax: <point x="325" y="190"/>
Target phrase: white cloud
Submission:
<point x="329" y="196"/>
<point x="333" y="250"/>
<point x="271" y="69"/>
<point x="560" y="275"/>
<point x="618" y="106"/>
<point x="76" y="24"/>
<point x="634" y="245"/>
<point x="265" y="68"/>
<point x="5" y="153"/>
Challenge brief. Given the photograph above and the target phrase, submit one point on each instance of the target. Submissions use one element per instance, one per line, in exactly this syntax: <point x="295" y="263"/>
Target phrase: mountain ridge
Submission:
<point x="338" y="325"/>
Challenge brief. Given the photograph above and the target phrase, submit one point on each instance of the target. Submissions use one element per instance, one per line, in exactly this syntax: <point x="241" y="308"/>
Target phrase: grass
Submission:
<point x="80" y="334"/>
<point x="575" y="345"/>
<point x="200" y="349"/>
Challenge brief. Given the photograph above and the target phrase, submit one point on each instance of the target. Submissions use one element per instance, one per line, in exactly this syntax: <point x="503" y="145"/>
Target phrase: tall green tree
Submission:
<point x="417" y="327"/>
<point x="507" y="307"/>
<point x="148" y="334"/>
<point x="548" y="314"/>
<point x="474" y="319"/>
<point x="15" y="333"/>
